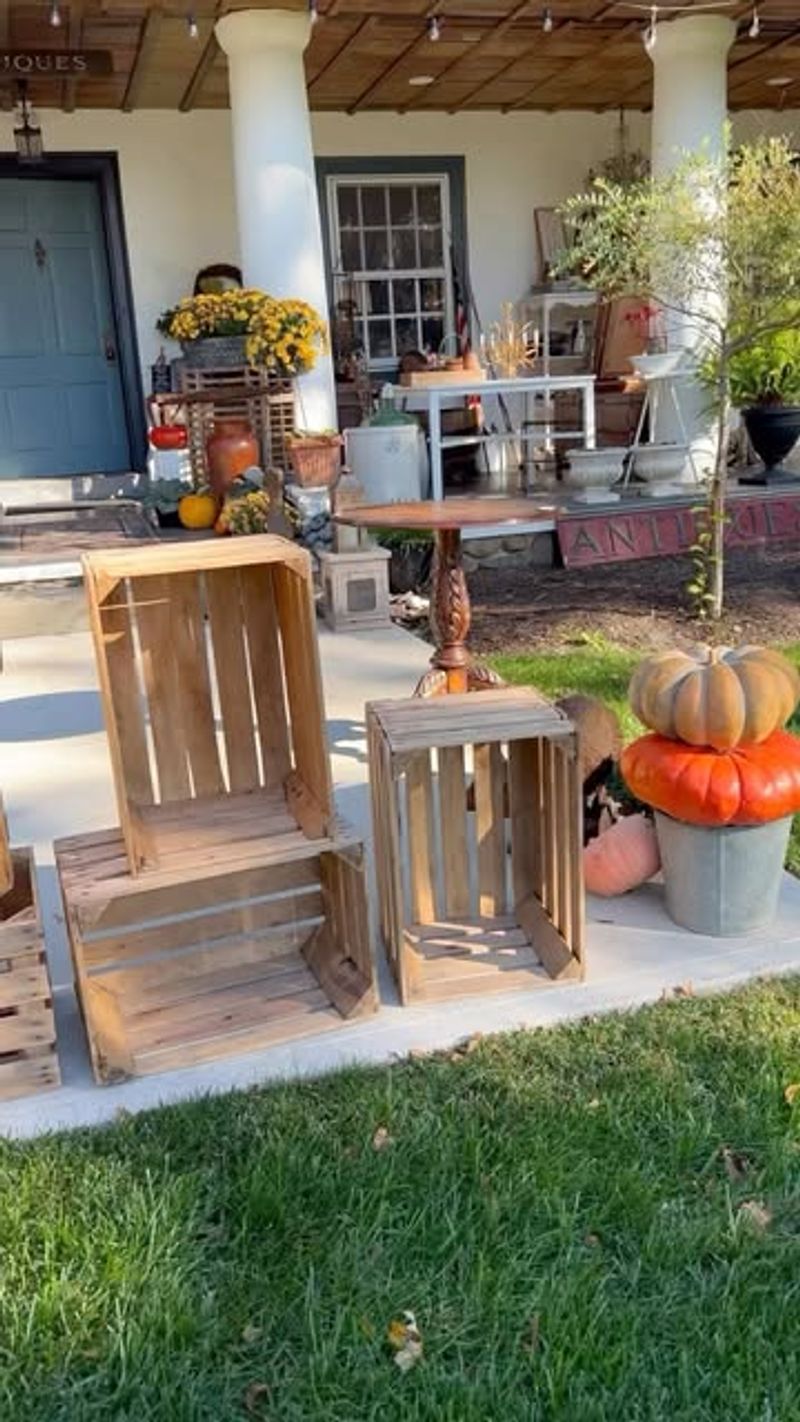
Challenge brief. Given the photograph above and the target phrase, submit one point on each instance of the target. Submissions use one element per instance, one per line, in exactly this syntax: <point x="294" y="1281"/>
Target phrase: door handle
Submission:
<point x="40" y="254"/>
<point x="109" y="349"/>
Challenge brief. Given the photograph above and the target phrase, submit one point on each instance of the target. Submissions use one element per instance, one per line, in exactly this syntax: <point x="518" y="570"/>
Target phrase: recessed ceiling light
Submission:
<point x="420" y="80"/>
<point x="780" y="81"/>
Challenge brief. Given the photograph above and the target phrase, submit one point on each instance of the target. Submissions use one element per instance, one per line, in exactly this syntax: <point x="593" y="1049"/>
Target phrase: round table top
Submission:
<point x="446" y="514"/>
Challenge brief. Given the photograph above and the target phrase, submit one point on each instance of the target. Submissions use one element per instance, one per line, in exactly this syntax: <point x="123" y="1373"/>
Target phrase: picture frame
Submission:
<point x="551" y="237"/>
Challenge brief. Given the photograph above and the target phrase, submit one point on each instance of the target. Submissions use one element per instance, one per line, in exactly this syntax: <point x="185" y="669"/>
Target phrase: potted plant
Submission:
<point x="723" y="778"/>
<point x="715" y="244"/>
<point x="162" y="497"/>
<point x="765" y="386"/>
<point x="315" y="457"/>
<point x="212" y="327"/>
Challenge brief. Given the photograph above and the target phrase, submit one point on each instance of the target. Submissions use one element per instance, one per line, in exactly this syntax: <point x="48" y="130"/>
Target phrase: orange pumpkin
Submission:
<point x="197" y="510"/>
<point x="715" y="696"/>
<point x="747" y="785"/>
<point x="622" y="857"/>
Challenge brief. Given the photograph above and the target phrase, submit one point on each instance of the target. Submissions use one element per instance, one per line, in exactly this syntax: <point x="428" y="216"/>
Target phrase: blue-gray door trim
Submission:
<point x="103" y="169"/>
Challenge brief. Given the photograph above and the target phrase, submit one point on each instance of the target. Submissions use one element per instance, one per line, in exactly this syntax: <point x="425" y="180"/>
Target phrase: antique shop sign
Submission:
<point x="618" y="537"/>
<point x="61" y="63"/>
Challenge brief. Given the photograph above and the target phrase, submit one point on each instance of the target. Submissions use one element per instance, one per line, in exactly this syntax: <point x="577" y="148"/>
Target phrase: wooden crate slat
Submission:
<point x="150" y="600"/>
<point x="233" y="677"/>
<point x="112" y="564"/>
<point x="266" y="664"/>
<point x="28" y="1061"/>
<point x="195" y="705"/>
<point x="6" y="866"/>
<point x="123" y="705"/>
<point x="190" y="976"/>
<point x="421" y="841"/>
<point x="455" y="843"/>
<point x="339" y="952"/>
<point x="234" y="920"/>
<point x="490" y="827"/>
<point x="527" y="827"/>
<point x="294" y="598"/>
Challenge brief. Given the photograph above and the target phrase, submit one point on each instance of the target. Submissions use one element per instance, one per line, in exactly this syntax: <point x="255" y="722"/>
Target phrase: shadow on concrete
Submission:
<point x="51" y="717"/>
<point x="346" y="738"/>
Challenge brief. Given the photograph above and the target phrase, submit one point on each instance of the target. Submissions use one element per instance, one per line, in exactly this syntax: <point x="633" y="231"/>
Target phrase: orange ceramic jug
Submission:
<point x="231" y="449"/>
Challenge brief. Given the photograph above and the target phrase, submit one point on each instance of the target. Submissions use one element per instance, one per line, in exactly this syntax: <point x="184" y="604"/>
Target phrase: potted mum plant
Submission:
<point x="765" y="386"/>
<point x="723" y="777"/>
<point x="212" y="327"/>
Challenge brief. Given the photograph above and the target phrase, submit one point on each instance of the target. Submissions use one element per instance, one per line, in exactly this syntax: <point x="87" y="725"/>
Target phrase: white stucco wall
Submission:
<point x="177" y="183"/>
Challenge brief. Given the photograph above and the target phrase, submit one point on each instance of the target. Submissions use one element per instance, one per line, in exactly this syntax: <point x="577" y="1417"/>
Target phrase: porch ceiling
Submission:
<point x="492" y="54"/>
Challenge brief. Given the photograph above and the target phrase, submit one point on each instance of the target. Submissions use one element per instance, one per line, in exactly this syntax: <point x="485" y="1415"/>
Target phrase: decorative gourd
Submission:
<point x="715" y="696"/>
<point x="622" y="857"/>
<point x="197" y="510"/>
<point x="748" y="785"/>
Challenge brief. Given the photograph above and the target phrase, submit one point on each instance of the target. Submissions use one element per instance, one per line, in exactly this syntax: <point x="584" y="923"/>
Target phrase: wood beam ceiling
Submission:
<point x="433" y="10"/>
<point x="69" y="87"/>
<point x="148" y="44"/>
<point x="486" y="40"/>
<point x="208" y="57"/>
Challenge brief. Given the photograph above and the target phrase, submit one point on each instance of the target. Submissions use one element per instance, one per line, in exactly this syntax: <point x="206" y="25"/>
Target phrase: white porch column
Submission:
<point x="276" y="190"/>
<point x="690" y="110"/>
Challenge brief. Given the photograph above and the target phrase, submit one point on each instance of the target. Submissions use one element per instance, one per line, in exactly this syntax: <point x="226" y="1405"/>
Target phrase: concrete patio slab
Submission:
<point x="56" y="781"/>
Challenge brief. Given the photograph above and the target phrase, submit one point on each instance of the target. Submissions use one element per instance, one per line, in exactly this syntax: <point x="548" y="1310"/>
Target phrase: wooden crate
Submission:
<point x="28" y="1060"/>
<point x="481" y="900"/>
<point x="269" y="408"/>
<point x="189" y="637"/>
<point x="176" y="968"/>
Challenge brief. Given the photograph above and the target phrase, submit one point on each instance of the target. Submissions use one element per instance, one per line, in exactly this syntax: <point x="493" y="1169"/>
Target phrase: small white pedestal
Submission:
<point x="355" y="589"/>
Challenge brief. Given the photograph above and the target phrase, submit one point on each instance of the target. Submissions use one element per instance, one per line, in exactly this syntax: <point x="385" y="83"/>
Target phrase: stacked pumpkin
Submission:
<point x="723" y="777"/>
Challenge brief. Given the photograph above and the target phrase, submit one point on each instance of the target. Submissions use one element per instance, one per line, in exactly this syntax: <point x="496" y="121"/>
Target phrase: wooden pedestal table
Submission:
<point x="452" y="667"/>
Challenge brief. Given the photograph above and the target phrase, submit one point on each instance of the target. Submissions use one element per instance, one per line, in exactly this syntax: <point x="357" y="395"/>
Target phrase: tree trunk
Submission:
<point x="717" y="497"/>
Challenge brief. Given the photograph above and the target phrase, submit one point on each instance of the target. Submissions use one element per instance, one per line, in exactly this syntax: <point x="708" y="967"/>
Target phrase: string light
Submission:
<point x="55" y="15"/>
<point x="755" y="24"/>
<point x="313" y="12"/>
<point x="434" y="29"/>
<point x="547" y="20"/>
<point x="651" y="33"/>
<point x="192" y="27"/>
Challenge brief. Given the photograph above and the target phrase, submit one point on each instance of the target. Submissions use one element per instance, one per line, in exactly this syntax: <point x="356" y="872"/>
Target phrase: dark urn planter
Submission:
<point x="774" y="431"/>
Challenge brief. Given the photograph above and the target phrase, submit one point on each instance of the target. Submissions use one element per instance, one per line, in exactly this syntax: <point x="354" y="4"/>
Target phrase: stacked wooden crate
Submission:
<point x="265" y="400"/>
<point x="228" y="910"/>
<point x="476" y="804"/>
<point x="28" y="1060"/>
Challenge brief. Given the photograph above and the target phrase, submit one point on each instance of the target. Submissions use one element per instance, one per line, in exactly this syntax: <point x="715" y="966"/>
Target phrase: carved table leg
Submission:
<point x="452" y="670"/>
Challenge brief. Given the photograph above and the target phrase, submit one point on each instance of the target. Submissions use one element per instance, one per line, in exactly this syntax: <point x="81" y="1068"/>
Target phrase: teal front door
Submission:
<point x="61" y="401"/>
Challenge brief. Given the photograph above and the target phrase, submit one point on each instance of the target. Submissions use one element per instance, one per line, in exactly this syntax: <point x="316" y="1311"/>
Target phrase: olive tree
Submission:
<point x="716" y="243"/>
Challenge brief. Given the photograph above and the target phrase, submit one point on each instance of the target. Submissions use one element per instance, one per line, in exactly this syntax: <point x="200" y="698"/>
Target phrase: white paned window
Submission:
<point x="390" y="239"/>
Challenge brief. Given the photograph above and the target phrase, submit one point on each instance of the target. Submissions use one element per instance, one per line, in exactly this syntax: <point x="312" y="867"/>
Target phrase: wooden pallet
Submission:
<point x="189" y="638"/>
<point x="181" y="967"/>
<point x="28" y="1060"/>
<point x="268" y="405"/>
<point x="484" y="900"/>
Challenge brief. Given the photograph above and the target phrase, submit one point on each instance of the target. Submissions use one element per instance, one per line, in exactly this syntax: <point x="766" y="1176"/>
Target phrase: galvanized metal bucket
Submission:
<point x="723" y="882"/>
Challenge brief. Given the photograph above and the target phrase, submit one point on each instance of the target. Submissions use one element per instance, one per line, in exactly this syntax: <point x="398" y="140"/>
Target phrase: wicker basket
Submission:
<point x="316" y="461"/>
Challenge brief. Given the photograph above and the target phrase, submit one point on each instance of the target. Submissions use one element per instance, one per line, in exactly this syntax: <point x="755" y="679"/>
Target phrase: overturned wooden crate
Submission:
<point x="229" y="910"/>
<point x="485" y="899"/>
<point x="189" y="638"/>
<point x="179" y="967"/>
<point x="28" y="1059"/>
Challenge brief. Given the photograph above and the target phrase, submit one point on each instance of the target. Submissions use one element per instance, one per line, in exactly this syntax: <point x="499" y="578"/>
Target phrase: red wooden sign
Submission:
<point x="653" y="532"/>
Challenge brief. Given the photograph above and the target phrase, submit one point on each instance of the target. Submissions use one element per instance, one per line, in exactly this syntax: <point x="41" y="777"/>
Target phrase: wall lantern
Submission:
<point x="27" y="130"/>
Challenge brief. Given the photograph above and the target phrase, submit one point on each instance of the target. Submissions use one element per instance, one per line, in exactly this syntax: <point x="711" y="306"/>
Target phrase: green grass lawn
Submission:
<point x="562" y="1210"/>
<point x="600" y="669"/>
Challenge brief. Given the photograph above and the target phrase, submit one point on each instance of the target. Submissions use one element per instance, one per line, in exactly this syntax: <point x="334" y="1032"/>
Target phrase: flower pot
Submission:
<point x="591" y="473"/>
<point x="774" y="431"/>
<point x="722" y="882"/>
<point x="214" y="352"/>
<point x="231" y="449"/>
<point x="316" y="462"/>
<point x="654" y="365"/>
<point x="661" y="466"/>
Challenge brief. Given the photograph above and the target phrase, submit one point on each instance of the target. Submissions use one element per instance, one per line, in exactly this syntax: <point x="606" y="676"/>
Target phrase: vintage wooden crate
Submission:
<point x="479" y="899"/>
<point x="191" y="637"/>
<point x="175" y="968"/>
<point x="28" y="1060"/>
<point x="267" y="402"/>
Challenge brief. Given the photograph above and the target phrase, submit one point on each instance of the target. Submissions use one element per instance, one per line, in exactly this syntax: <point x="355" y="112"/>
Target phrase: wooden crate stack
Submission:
<point x="476" y="804"/>
<point x="270" y="410"/>
<point x="28" y="1060"/>
<point x="228" y="911"/>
